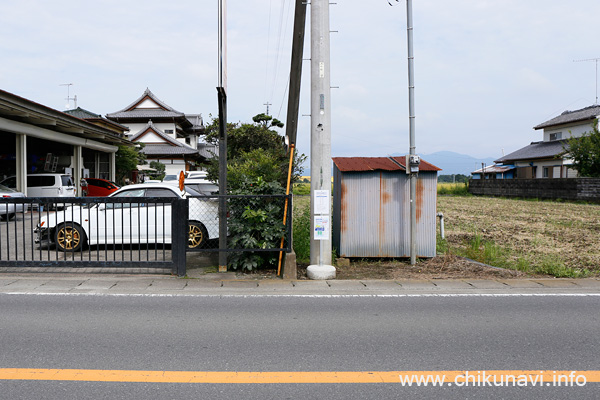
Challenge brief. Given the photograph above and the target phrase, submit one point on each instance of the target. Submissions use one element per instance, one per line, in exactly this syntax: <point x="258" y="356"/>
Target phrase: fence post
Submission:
<point x="179" y="235"/>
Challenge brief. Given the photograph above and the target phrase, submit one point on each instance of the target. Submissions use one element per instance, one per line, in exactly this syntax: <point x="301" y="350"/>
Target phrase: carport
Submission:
<point x="48" y="140"/>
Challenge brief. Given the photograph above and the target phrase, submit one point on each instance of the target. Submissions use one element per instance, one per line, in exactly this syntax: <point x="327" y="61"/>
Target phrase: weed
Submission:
<point x="301" y="227"/>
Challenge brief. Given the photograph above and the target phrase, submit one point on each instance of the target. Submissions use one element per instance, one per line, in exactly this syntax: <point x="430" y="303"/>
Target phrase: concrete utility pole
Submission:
<point x="412" y="162"/>
<point x="320" y="144"/>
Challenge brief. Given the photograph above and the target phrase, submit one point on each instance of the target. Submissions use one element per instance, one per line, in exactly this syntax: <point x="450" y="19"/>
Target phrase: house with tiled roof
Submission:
<point x="169" y="136"/>
<point x="549" y="157"/>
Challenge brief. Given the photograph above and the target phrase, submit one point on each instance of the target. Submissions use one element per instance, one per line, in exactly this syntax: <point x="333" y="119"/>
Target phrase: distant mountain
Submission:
<point x="456" y="163"/>
<point x="449" y="161"/>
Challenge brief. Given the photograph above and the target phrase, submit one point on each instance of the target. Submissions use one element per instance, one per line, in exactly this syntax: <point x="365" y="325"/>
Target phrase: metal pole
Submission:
<point x="222" y="98"/>
<point x="320" y="144"/>
<point x="411" y="112"/>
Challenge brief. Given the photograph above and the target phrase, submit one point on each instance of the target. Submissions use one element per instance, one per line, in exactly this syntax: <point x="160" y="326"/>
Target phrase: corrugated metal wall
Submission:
<point x="371" y="214"/>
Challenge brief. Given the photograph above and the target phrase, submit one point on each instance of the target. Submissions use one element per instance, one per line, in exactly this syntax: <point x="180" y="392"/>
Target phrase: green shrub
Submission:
<point x="256" y="223"/>
<point x="301" y="189"/>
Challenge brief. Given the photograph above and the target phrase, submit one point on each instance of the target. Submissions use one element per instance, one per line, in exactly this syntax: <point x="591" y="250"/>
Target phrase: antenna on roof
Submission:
<point x="267" y="104"/>
<point x="596" y="60"/>
<point x="69" y="98"/>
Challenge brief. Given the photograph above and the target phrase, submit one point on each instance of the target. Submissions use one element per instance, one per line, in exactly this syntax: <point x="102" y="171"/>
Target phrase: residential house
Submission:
<point x="169" y="136"/>
<point x="548" y="158"/>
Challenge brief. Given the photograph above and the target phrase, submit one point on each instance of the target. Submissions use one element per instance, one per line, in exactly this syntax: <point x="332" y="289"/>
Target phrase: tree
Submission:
<point x="585" y="152"/>
<point x="257" y="164"/>
<point x="127" y="159"/>
<point x="252" y="144"/>
<point x="160" y="170"/>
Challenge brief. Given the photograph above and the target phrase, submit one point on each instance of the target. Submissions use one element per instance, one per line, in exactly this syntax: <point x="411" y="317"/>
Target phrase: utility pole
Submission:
<point x="222" y="98"/>
<point x="320" y="144"/>
<point x="595" y="60"/>
<point x="413" y="161"/>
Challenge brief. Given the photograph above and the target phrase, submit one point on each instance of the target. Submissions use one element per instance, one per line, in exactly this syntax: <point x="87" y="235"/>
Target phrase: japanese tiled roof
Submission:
<point x="165" y="149"/>
<point x="171" y="146"/>
<point x="88" y="115"/>
<point x="363" y="164"/>
<point x="567" y="117"/>
<point x="164" y="110"/>
<point x="536" y="150"/>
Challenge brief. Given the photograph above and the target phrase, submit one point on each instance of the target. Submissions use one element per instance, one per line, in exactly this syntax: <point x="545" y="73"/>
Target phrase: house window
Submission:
<point x="168" y="130"/>
<point x="546" y="172"/>
<point x="555" y="136"/>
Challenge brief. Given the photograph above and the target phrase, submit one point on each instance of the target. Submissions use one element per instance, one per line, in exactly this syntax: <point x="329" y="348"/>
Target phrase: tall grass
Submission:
<point x="454" y="189"/>
<point x="301" y="226"/>
<point x="490" y="253"/>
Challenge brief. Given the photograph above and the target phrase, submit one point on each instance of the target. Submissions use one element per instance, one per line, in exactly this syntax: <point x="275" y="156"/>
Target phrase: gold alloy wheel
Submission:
<point x="195" y="236"/>
<point x="68" y="238"/>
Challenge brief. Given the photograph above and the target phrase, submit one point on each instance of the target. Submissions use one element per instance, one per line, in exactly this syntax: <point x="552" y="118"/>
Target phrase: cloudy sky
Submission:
<point x="486" y="71"/>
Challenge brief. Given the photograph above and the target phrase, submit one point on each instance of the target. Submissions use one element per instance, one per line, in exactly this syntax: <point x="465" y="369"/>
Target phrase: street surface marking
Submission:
<point x="316" y="296"/>
<point x="269" y="377"/>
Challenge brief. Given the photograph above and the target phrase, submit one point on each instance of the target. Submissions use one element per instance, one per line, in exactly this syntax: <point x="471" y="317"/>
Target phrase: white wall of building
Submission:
<point x="568" y="131"/>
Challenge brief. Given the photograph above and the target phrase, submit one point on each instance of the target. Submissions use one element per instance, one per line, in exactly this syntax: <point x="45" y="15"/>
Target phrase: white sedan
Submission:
<point x="8" y="210"/>
<point x="129" y="223"/>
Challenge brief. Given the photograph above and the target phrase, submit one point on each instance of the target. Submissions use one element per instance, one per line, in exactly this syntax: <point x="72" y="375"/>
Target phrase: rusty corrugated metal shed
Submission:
<point x="362" y="164"/>
<point x="371" y="207"/>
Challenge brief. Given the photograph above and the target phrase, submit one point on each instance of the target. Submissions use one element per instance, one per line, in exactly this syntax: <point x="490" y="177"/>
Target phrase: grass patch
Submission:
<point x="301" y="226"/>
<point x="453" y="189"/>
<point x="301" y="189"/>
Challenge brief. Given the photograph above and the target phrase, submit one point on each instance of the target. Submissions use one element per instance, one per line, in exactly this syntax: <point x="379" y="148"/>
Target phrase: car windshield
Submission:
<point x="192" y="192"/>
<point x="5" y="189"/>
<point x="170" y="178"/>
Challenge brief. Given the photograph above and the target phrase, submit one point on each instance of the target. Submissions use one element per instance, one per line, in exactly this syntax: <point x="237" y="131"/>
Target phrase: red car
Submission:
<point x="96" y="187"/>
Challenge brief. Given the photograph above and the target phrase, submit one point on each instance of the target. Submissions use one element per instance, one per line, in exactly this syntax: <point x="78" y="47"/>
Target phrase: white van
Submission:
<point x="45" y="185"/>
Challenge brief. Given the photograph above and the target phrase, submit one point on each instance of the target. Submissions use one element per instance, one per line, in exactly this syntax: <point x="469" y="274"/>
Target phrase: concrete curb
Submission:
<point x="172" y="286"/>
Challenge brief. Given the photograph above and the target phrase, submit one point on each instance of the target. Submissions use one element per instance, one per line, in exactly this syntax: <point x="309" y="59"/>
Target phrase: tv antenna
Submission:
<point x="267" y="104"/>
<point x="69" y="98"/>
<point x="596" y="60"/>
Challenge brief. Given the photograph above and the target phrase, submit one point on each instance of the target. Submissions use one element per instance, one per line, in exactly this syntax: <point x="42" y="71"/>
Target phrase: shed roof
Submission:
<point x="362" y="164"/>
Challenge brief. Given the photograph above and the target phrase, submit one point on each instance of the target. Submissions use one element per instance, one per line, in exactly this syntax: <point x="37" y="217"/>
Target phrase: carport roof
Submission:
<point x="19" y="109"/>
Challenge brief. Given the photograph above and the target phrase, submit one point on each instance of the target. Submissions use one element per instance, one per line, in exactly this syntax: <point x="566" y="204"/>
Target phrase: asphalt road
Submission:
<point x="266" y="334"/>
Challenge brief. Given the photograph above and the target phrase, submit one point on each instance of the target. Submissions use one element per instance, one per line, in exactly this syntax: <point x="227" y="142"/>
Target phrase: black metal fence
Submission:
<point x="132" y="232"/>
<point x="254" y="223"/>
<point x="88" y="232"/>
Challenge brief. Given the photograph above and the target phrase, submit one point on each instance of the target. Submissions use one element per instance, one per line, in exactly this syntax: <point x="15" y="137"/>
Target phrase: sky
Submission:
<point x="486" y="72"/>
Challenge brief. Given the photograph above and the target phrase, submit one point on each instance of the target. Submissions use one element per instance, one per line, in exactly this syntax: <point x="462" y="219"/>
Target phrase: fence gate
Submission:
<point x="98" y="232"/>
<point x="140" y="234"/>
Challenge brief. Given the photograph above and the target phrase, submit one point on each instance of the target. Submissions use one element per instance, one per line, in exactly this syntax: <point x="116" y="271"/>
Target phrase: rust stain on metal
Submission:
<point x="344" y="207"/>
<point x="382" y="200"/>
<point x="420" y="190"/>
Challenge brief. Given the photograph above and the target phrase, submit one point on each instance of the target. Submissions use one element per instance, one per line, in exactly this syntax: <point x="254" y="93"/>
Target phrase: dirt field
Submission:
<point x="526" y="238"/>
<point x="443" y="267"/>
<point x="546" y="236"/>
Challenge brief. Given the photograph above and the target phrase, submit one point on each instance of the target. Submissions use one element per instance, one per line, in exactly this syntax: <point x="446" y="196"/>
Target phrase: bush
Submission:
<point x="301" y="189"/>
<point x="256" y="223"/>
